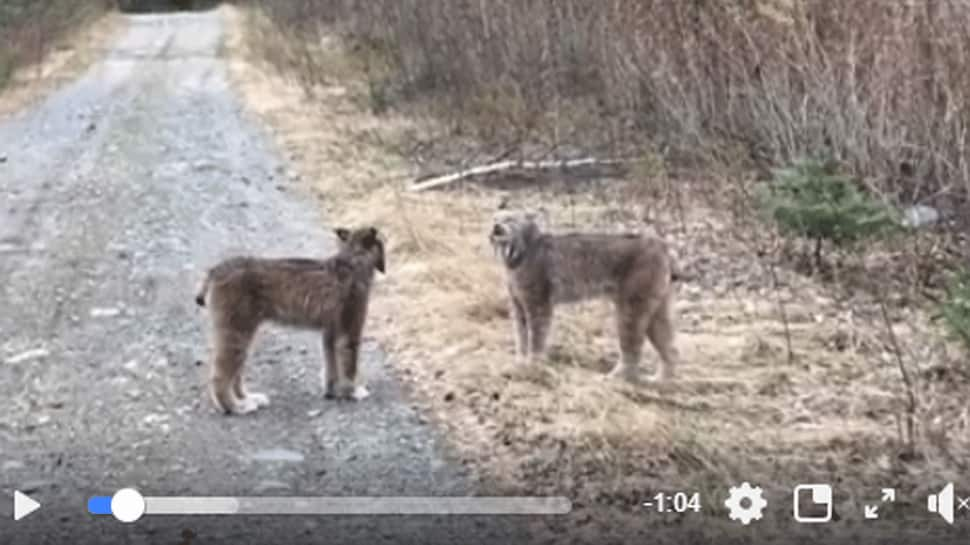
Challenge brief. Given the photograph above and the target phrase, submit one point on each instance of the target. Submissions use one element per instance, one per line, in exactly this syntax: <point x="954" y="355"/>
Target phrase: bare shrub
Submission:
<point x="880" y="85"/>
<point x="29" y="29"/>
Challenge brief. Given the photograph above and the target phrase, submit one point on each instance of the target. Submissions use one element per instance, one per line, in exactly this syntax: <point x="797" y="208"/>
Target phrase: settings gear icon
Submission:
<point x="746" y="503"/>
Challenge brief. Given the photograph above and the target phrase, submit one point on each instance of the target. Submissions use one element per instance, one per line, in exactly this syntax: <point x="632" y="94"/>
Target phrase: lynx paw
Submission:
<point x="245" y="406"/>
<point x="342" y="392"/>
<point x="535" y="358"/>
<point x="261" y="400"/>
<point x="626" y="373"/>
<point x="360" y="393"/>
<point x="329" y="387"/>
<point x="661" y="378"/>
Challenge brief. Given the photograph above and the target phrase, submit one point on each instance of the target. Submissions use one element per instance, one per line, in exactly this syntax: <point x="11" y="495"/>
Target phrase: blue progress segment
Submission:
<point x="99" y="505"/>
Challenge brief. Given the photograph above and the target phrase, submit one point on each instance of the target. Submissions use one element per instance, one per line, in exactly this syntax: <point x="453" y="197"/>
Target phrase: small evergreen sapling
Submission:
<point x="812" y="199"/>
<point x="956" y="307"/>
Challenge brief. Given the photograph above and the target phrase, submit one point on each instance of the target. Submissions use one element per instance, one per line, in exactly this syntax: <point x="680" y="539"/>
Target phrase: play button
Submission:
<point x="23" y="505"/>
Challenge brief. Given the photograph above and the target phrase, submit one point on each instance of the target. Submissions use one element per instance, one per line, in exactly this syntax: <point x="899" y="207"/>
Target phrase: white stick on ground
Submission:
<point x="501" y="166"/>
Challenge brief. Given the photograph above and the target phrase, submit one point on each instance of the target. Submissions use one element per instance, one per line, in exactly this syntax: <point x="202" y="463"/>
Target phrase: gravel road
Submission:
<point x="115" y="193"/>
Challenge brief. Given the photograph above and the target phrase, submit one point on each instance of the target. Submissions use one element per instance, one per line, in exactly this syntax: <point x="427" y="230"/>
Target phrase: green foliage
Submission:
<point x="14" y="14"/>
<point x="379" y="95"/>
<point x="956" y="307"/>
<point x="812" y="199"/>
<point x="7" y="65"/>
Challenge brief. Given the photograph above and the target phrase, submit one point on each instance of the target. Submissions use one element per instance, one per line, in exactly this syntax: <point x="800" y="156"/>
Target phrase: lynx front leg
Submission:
<point x="539" y="322"/>
<point x="348" y="356"/>
<point x="520" y="328"/>
<point x="329" y="374"/>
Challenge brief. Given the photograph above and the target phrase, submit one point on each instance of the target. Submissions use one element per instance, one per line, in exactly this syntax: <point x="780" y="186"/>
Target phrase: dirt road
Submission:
<point x="115" y="193"/>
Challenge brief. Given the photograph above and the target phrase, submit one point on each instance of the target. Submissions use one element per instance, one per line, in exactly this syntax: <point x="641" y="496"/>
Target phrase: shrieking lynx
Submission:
<point x="543" y="270"/>
<point x="329" y="295"/>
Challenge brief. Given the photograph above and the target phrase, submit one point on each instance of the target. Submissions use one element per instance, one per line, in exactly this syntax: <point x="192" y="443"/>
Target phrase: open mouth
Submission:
<point x="499" y="243"/>
<point x="498" y="234"/>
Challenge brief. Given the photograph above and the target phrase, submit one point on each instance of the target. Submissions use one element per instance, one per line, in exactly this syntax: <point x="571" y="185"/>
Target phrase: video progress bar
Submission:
<point x="128" y="505"/>
<point x="357" y="506"/>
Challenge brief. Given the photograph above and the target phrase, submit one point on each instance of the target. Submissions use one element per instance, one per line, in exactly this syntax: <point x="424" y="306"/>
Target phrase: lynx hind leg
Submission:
<point x="225" y="381"/>
<point x="661" y="335"/>
<point x="632" y="321"/>
<point x="630" y="328"/>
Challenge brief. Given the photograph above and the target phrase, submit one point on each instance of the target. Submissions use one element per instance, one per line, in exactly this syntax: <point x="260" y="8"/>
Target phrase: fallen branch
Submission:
<point x="502" y="166"/>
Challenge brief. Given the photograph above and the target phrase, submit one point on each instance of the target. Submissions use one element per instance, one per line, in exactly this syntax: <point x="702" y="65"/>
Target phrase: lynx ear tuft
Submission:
<point x="379" y="264"/>
<point x="370" y="237"/>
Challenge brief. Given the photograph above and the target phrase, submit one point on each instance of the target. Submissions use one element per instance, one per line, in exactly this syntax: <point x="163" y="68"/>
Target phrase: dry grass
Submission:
<point x="50" y="60"/>
<point x="743" y="411"/>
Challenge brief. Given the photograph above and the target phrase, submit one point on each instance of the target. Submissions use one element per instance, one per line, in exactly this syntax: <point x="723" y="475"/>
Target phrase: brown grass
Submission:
<point x="50" y="47"/>
<point x="743" y="411"/>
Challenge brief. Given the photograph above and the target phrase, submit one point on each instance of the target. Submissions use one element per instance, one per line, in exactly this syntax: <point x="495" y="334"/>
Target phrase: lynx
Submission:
<point x="329" y="295"/>
<point x="544" y="270"/>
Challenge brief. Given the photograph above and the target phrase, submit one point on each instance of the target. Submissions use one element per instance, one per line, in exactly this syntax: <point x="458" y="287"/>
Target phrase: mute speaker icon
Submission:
<point x="942" y="503"/>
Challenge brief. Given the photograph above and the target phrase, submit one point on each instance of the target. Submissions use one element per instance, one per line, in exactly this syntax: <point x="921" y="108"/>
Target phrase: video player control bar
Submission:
<point x="128" y="505"/>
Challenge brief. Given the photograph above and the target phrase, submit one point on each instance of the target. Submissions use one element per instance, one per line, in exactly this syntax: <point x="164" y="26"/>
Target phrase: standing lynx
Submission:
<point x="329" y="295"/>
<point x="544" y="270"/>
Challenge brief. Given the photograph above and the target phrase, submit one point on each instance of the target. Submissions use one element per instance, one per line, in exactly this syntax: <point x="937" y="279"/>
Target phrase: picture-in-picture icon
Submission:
<point x="813" y="503"/>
